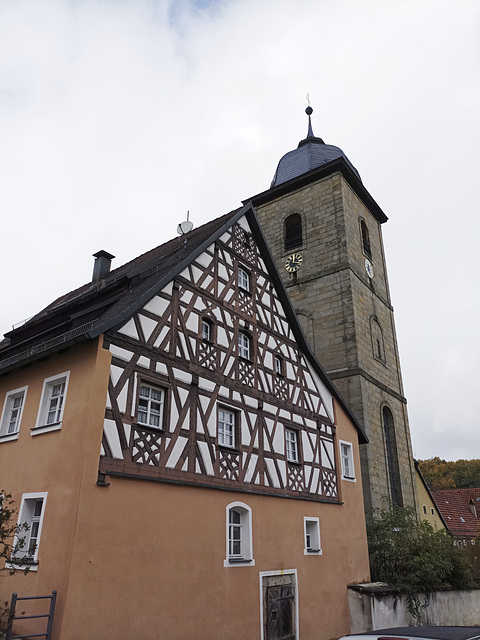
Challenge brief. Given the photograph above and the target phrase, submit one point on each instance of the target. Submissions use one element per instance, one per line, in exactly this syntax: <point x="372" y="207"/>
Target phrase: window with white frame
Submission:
<point x="346" y="457"/>
<point x="12" y="412"/>
<point x="226" y="427"/>
<point x="29" y="529"/>
<point x="278" y="364"/>
<point x="207" y="330"/>
<point x="243" y="279"/>
<point x="52" y="403"/>
<point x="311" y="528"/>
<point x="244" y="345"/>
<point x="291" y="440"/>
<point x="150" y="405"/>
<point x="239" y="535"/>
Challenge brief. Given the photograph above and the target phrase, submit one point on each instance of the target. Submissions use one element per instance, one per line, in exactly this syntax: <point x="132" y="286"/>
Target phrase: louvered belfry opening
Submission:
<point x="293" y="232"/>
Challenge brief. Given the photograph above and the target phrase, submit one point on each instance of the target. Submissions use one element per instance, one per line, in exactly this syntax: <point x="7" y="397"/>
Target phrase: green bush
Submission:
<point x="411" y="556"/>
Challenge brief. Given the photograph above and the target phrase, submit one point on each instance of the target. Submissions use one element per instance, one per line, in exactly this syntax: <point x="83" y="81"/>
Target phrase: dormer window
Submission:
<point x="243" y="279"/>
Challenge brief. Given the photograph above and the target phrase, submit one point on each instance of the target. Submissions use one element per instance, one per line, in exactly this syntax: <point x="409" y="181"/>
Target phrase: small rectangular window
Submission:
<point x="278" y="365"/>
<point x="244" y="344"/>
<point x="425" y="509"/>
<point x="206" y="330"/>
<point x="52" y="404"/>
<point x="150" y="406"/>
<point x="226" y="428"/>
<point x="12" y="413"/>
<point x="291" y="438"/>
<point x="311" y="528"/>
<point x="27" y="539"/>
<point x="243" y="279"/>
<point x="346" y="458"/>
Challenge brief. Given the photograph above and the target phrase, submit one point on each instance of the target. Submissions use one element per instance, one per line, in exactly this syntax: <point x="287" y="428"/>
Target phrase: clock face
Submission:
<point x="293" y="262"/>
<point x="369" y="268"/>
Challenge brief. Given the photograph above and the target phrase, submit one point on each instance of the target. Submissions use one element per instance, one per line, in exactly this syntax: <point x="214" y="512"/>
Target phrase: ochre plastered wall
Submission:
<point x="61" y="462"/>
<point x="140" y="559"/>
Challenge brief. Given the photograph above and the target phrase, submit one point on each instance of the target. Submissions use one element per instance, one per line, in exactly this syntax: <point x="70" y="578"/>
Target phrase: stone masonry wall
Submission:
<point x="337" y="304"/>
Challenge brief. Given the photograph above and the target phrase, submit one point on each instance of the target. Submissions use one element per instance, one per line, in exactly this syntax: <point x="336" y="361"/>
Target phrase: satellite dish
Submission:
<point x="184" y="227"/>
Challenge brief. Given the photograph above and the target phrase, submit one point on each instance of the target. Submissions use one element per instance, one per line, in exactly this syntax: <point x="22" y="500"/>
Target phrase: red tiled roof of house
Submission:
<point x="454" y="505"/>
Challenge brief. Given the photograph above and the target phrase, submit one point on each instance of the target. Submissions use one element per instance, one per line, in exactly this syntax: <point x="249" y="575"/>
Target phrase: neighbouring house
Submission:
<point x="460" y="510"/>
<point x="186" y="466"/>
<point x="428" y="508"/>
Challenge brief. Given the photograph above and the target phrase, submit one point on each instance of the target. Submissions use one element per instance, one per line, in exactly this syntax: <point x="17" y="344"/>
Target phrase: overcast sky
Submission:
<point x="118" y="116"/>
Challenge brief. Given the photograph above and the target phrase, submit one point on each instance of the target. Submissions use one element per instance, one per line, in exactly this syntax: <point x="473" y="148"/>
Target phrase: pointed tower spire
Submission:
<point x="309" y="112"/>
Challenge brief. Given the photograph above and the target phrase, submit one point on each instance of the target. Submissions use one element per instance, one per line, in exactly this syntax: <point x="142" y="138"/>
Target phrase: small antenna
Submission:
<point x="308" y="99"/>
<point x="186" y="226"/>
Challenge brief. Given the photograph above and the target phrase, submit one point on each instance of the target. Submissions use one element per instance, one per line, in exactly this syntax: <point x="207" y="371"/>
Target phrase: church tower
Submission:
<point x="324" y="231"/>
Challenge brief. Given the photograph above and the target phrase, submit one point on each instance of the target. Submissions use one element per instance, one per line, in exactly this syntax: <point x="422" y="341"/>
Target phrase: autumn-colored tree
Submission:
<point x="443" y="474"/>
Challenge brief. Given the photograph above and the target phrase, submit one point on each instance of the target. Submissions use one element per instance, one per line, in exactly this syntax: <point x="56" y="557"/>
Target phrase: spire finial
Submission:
<point x="309" y="112"/>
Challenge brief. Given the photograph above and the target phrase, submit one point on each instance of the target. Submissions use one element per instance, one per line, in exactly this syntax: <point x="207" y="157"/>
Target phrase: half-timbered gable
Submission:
<point x="237" y="403"/>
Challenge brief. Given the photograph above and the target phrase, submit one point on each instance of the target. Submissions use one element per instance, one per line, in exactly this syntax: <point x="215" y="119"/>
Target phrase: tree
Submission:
<point x="411" y="556"/>
<point x="443" y="474"/>
<point x="11" y="544"/>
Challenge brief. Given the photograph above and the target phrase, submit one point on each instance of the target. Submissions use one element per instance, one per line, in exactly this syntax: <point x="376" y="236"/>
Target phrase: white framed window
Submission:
<point x="150" y="405"/>
<point x="278" y="364"/>
<point x="311" y="530"/>
<point x="207" y="333"/>
<point x="346" y="457"/>
<point x="27" y="539"/>
<point x="291" y="441"/>
<point x="239" y="548"/>
<point x="52" y="403"/>
<point x="243" y="279"/>
<point x="226" y="427"/>
<point x="244" y="345"/>
<point x="12" y="414"/>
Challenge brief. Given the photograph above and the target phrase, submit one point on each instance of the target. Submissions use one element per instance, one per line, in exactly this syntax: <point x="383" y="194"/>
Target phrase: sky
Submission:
<point x="119" y="116"/>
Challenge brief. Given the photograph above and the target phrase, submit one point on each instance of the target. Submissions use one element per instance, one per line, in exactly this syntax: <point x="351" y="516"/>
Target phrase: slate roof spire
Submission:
<point x="311" y="153"/>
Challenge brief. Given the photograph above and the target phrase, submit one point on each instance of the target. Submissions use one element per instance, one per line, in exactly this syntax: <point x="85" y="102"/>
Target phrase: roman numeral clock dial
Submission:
<point x="293" y="262"/>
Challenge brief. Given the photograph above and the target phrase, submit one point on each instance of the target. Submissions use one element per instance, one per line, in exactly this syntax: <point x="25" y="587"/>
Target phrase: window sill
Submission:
<point x="294" y="463"/>
<point x="312" y="552"/>
<point x="148" y="428"/>
<point x="22" y="565"/>
<point x="45" y="428"/>
<point x="349" y="479"/>
<point x="226" y="448"/>
<point x="245" y="292"/>
<point x="8" y="437"/>
<point x="239" y="562"/>
<point x="245" y="360"/>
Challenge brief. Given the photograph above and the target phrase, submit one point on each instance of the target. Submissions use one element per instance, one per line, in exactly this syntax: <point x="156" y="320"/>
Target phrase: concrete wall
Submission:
<point x="376" y="606"/>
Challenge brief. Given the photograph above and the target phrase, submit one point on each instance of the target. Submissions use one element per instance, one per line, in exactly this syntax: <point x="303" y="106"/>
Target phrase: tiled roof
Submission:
<point x="454" y="505"/>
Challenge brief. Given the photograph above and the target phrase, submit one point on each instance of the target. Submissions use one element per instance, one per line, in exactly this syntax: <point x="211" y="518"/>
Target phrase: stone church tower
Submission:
<point x="324" y="231"/>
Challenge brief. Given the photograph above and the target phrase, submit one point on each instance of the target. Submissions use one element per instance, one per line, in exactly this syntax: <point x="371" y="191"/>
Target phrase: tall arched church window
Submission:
<point x="378" y="345"/>
<point x="392" y="457"/>
<point x="293" y="235"/>
<point x="367" y="249"/>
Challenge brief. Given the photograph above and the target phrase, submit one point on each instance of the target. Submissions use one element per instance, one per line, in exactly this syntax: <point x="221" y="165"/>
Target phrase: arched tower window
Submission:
<point x="367" y="249"/>
<point x="293" y="232"/>
<point x="392" y="457"/>
<point x="378" y="345"/>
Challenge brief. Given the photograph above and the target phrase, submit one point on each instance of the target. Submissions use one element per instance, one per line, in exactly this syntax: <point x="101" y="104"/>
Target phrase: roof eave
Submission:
<point x="340" y="165"/>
